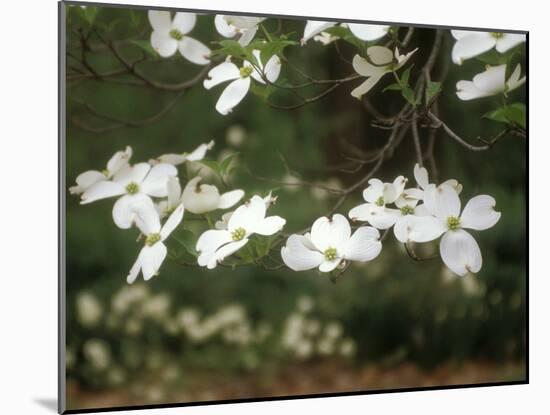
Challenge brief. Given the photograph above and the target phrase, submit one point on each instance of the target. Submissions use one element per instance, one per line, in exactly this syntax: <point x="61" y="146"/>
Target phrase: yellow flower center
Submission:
<point x="330" y="254"/>
<point x="132" y="188"/>
<point x="238" y="234"/>
<point x="453" y="223"/>
<point x="407" y="210"/>
<point x="379" y="201"/>
<point x="245" y="71"/>
<point x="176" y="34"/>
<point x="497" y="35"/>
<point x="152" y="239"/>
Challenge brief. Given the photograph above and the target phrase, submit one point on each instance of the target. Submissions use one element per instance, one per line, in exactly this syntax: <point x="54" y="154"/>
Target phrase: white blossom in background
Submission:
<point x="170" y="35"/>
<point x="215" y="245"/>
<point x="471" y="43"/>
<point x="366" y="32"/>
<point x="88" y="309"/>
<point x="154" y="251"/>
<point x="458" y="249"/>
<point x="243" y="27"/>
<point x="330" y="244"/>
<point x="378" y="195"/>
<point x="237" y="89"/>
<point x="136" y="185"/>
<point x="116" y="164"/>
<point x="176" y="159"/>
<point x="490" y="82"/>
<point x="203" y="198"/>
<point x="380" y="61"/>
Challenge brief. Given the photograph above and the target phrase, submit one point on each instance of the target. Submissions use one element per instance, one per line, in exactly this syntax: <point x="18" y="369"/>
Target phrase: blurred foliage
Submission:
<point x="393" y="309"/>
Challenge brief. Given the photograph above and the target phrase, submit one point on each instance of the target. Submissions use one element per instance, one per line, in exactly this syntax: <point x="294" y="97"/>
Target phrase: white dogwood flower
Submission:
<point x="269" y="200"/>
<point x="153" y="253"/>
<point x="240" y="79"/>
<point x="458" y="249"/>
<point x="177" y="159"/>
<point x="215" y="245"/>
<point x="245" y="27"/>
<point x="136" y="185"/>
<point x="470" y="43"/>
<point x="422" y="179"/>
<point x="366" y="32"/>
<point x="490" y="82"/>
<point x="170" y="35"/>
<point x="378" y="195"/>
<point x="330" y="244"/>
<point x="380" y="61"/>
<point x="202" y="198"/>
<point x="174" y="198"/>
<point x="117" y="163"/>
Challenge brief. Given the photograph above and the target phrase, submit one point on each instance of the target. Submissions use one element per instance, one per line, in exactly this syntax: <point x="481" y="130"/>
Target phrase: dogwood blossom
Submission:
<point x="215" y="245"/>
<point x="380" y="61"/>
<point x="240" y="79"/>
<point x="177" y="159"/>
<point x="117" y="163"/>
<point x="423" y="180"/>
<point x="203" y="198"/>
<point x="378" y="195"/>
<point x="490" y="82"/>
<point x="330" y="244"/>
<point x="458" y="249"/>
<point x="269" y="200"/>
<point x="244" y="27"/>
<point x="470" y="43"/>
<point x="366" y="32"/>
<point x="153" y="253"/>
<point x="170" y="35"/>
<point x="136" y="185"/>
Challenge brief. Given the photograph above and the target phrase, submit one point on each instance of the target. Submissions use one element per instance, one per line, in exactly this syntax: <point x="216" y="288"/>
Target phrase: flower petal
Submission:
<point x="328" y="266"/>
<point x="172" y="222"/>
<point x="223" y="27"/>
<point x="361" y="212"/>
<point x="492" y="80"/>
<point x="374" y="191"/>
<point x="184" y="22"/>
<point x="421" y="176"/>
<point x="514" y="81"/>
<point x="160" y="20"/>
<point x="364" y="68"/>
<point x="126" y="209"/>
<point x="229" y="199"/>
<point x="383" y="218"/>
<point x="194" y="51"/>
<point x="508" y="41"/>
<point x="412" y="228"/>
<point x="135" y="174"/>
<point x="102" y="190"/>
<point x="225" y="71"/>
<point x="200" y="198"/>
<point x="86" y="180"/>
<point x="380" y="55"/>
<point x="199" y="153"/>
<point x="224" y="252"/>
<point x="466" y="91"/>
<point x="460" y="252"/>
<point x="119" y="161"/>
<point x="314" y="27"/>
<point x="165" y="45"/>
<point x="442" y="201"/>
<point x="247" y="216"/>
<point x="232" y="95"/>
<point x="270" y="225"/>
<point x="174" y="192"/>
<point x="247" y="36"/>
<point x="273" y="68"/>
<point x="364" y="245"/>
<point x="333" y="233"/>
<point x="151" y="258"/>
<point x="479" y="213"/>
<point x="472" y="45"/>
<point x="134" y="271"/>
<point x="209" y="242"/>
<point x="368" y="32"/>
<point x="365" y="87"/>
<point x="156" y="182"/>
<point x="297" y="254"/>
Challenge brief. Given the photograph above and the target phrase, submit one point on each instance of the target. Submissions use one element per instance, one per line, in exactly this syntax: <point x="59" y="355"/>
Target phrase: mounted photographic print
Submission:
<point x="276" y="207"/>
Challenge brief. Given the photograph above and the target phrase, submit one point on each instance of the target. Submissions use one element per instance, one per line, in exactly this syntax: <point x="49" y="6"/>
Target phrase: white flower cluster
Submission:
<point x="420" y="214"/>
<point x="305" y="336"/>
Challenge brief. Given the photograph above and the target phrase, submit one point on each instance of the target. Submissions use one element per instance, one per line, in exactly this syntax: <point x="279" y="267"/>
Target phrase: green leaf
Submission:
<point x="212" y="165"/>
<point x="226" y="163"/>
<point x="233" y="48"/>
<point x="408" y="94"/>
<point x="393" y="87"/>
<point x="187" y="240"/>
<point x="405" y="77"/>
<point x="432" y="89"/>
<point x="145" y="46"/>
<point x="275" y="47"/>
<point x="509" y="114"/>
